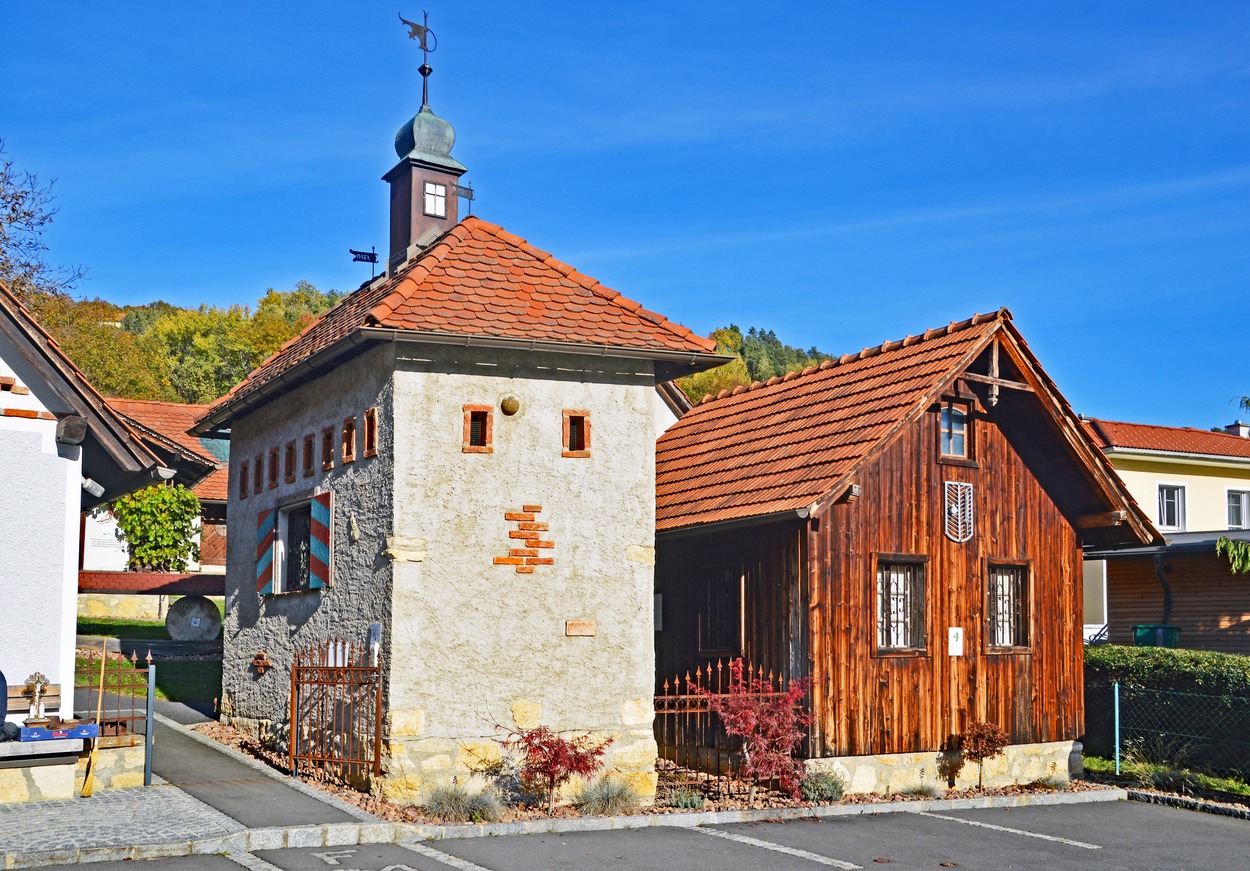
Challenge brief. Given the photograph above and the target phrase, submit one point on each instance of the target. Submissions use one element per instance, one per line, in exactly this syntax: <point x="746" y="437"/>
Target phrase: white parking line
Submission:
<point x="778" y="848"/>
<point x="250" y="862"/>
<point x="445" y="858"/>
<point x="1057" y="840"/>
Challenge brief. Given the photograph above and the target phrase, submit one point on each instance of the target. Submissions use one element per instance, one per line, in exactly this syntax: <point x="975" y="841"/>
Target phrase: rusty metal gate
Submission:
<point x="336" y="711"/>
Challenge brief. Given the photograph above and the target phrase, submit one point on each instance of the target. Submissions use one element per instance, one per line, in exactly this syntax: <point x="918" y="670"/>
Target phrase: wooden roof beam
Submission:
<point x="1102" y="520"/>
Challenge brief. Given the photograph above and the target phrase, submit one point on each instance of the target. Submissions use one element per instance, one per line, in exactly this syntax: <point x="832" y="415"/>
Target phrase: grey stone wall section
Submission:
<point x="361" y="589"/>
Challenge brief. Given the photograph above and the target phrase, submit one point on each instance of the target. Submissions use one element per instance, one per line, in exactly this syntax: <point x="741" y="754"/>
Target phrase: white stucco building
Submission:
<point x="64" y="451"/>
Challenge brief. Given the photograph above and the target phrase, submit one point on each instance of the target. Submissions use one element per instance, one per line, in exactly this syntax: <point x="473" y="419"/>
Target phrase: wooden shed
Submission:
<point x="902" y="525"/>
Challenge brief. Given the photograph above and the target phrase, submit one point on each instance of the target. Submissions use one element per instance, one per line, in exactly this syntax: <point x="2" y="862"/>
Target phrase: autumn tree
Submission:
<point x="27" y="207"/>
<point x="116" y="362"/>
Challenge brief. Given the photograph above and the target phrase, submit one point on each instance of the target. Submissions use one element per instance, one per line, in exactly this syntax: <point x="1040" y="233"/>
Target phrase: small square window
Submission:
<point x="435" y="199"/>
<point x="244" y="470"/>
<point x="258" y="474"/>
<point x="479" y="429"/>
<point x="1172" y="507"/>
<point x="327" y="449"/>
<point x="1238" y="509"/>
<point x="953" y="436"/>
<point x="576" y="435"/>
<point x="900" y="605"/>
<point x="1008" y="606"/>
<point x="308" y="456"/>
<point x="288" y="462"/>
<point x="273" y="468"/>
<point x="371" y="432"/>
<point x="349" y="440"/>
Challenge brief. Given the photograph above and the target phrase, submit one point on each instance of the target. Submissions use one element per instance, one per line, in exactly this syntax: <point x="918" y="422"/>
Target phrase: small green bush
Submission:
<point x="606" y="797"/>
<point x="822" y="787"/>
<point x="689" y="799"/>
<point x="456" y="804"/>
<point x="923" y="790"/>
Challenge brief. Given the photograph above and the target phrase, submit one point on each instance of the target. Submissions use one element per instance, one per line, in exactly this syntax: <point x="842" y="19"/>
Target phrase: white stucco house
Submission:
<point x="463" y="451"/>
<point x="65" y="451"/>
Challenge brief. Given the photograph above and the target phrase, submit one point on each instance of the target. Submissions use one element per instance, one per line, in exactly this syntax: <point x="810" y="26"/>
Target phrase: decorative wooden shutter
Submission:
<point x="320" y="538"/>
<point x="959" y="517"/>
<point x="264" y="551"/>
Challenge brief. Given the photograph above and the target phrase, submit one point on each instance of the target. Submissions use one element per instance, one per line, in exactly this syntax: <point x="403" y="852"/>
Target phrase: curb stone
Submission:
<point x="293" y="782"/>
<point x="1190" y="804"/>
<point x="347" y="834"/>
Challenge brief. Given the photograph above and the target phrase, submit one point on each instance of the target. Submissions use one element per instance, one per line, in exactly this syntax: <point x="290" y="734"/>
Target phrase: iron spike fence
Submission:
<point x="695" y="752"/>
<point x="336" y="711"/>
<point x="124" y="717"/>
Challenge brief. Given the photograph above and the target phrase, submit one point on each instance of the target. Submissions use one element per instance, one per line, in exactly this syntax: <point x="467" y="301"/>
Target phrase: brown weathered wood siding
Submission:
<point x="1210" y="604"/>
<point x="869" y="703"/>
<point x="770" y="558"/>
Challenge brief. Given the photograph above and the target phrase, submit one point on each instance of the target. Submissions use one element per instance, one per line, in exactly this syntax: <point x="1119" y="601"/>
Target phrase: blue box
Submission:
<point x="38" y="733"/>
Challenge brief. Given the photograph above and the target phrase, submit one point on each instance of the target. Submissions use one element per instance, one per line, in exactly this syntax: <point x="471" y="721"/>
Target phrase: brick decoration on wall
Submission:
<point x="527" y="540"/>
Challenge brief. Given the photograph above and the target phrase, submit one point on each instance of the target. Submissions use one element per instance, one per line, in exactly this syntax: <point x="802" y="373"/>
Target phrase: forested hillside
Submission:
<point x="160" y="351"/>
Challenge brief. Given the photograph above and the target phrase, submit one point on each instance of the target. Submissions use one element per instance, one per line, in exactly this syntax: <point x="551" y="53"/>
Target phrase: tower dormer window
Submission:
<point x="435" y="199"/>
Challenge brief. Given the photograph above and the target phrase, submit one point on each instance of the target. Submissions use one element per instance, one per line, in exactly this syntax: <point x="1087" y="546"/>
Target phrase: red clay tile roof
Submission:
<point x="172" y="422"/>
<point x="1174" y="439"/>
<point x="481" y="280"/>
<point x="782" y="445"/>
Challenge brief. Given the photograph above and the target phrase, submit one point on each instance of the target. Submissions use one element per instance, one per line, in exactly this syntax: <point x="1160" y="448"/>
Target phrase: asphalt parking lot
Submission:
<point x="1120" y="835"/>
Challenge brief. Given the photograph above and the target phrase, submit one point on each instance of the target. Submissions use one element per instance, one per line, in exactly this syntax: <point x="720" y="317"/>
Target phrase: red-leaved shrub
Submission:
<point x="549" y="760"/>
<point x="982" y="741"/>
<point x="771" y="724"/>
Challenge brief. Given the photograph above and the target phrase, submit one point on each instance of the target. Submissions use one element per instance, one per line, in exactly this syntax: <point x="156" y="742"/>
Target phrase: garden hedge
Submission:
<point x="1210" y="723"/>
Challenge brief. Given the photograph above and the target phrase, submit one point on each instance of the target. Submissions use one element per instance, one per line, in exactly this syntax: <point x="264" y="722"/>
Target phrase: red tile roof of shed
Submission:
<point x="782" y="445"/>
<point x="480" y="280"/>
<point x="173" y="421"/>
<point x="1174" y="439"/>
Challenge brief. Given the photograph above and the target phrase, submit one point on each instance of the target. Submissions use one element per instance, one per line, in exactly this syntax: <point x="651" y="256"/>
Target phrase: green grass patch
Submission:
<point x="123" y="629"/>
<point x="1137" y="769"/>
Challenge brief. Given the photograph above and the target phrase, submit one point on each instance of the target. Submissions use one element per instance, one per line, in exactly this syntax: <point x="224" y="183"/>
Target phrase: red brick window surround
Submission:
<point x="244" y="471"/>
<point x="349" y="439"/>
<point x="371" y="433"/>
<point x="308" y="455"/>
<point x="273" y="468"/>
<point x="479" y="429"/>
<point x="288" y="461"/>
<point x="327" y="449"/>
<point x="258" y="474"/>
<point x="576" y="435"/>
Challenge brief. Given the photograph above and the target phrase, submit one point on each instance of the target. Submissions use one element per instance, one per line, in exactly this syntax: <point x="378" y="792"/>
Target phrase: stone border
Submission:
<point x="292" y="782"/>
<point x="352" y="834"/>
<point x="1190" y="804"/>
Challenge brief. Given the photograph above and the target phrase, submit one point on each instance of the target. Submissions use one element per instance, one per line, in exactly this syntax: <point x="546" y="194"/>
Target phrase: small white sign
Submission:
<point x="955" y="640"/>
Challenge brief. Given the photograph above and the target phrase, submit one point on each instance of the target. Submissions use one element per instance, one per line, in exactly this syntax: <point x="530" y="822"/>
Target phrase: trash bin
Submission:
<point x="1156" y="635"/>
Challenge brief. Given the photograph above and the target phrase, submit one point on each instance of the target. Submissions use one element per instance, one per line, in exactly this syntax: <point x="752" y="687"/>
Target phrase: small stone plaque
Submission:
<point x="585" y="628"/>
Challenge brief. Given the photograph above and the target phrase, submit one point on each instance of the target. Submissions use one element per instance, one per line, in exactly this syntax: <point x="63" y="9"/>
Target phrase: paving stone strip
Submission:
<point x="1191" y="804"/>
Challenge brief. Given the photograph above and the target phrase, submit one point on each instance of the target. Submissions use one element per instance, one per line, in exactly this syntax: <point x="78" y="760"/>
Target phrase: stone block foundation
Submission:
<point x="899" y="772"/>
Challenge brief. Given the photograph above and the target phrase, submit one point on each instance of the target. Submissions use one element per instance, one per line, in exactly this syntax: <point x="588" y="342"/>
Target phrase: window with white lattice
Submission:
<point x="900" y="604"/>
<point x="1007" y="605"/>
<point x="958" y="510"/>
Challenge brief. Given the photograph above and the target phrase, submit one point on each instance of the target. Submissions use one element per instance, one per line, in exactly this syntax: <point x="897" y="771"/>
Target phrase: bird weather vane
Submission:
<point x="421" y="32"/>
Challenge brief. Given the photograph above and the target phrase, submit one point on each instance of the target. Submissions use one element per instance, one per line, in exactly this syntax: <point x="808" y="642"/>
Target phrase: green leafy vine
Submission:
<point x="1236" y="552"/>
<point x="158" y="525"/>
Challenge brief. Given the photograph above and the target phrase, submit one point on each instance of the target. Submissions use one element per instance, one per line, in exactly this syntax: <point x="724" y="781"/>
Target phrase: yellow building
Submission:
<point x="1190" y="481"/>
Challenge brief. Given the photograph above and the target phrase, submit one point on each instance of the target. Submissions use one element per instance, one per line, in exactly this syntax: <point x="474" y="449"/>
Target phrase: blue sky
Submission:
<point x="843" y="173"/>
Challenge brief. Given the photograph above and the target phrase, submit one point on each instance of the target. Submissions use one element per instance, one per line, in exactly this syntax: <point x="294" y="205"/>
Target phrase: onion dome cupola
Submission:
<point x="425" y="201"/>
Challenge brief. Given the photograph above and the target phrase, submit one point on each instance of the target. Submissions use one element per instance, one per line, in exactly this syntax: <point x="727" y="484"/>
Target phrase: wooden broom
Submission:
<point x="89" y="780"/>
